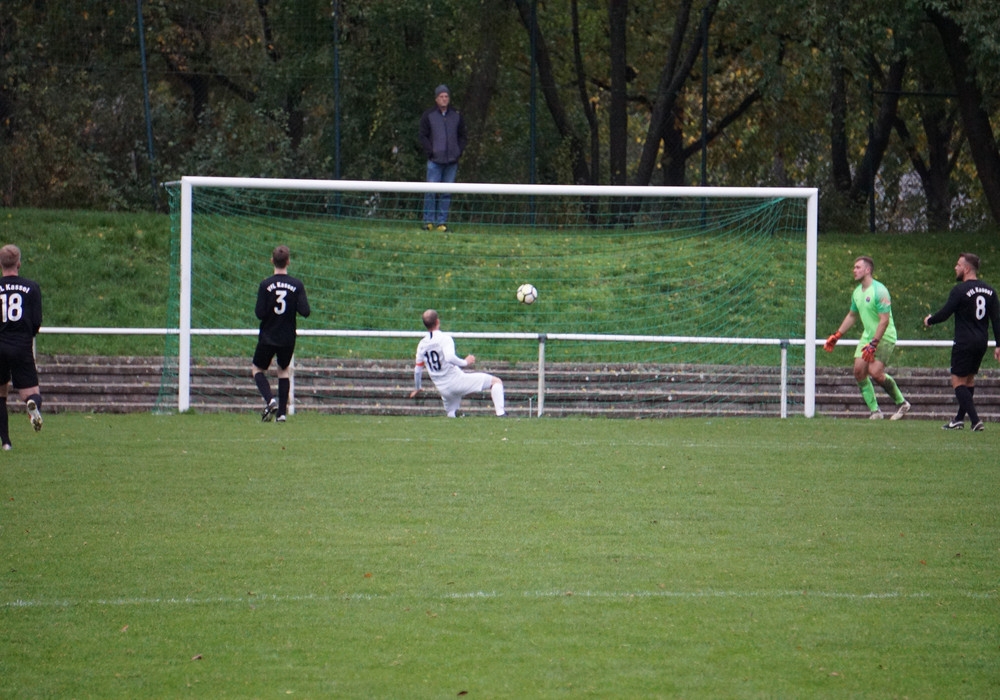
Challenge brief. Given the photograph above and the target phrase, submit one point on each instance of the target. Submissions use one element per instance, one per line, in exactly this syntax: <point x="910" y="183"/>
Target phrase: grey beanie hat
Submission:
<point x="441" y="88"/>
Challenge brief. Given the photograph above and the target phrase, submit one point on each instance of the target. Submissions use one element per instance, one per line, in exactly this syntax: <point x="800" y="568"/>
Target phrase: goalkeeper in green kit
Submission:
<point x="871" y="303"/>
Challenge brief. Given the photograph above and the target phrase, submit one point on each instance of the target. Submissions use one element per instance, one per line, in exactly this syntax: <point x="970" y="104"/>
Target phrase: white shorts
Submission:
<point x="460" y="385"/>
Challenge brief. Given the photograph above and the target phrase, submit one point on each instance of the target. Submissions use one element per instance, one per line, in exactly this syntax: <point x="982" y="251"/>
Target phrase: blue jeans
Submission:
<point x="436" y="206"/>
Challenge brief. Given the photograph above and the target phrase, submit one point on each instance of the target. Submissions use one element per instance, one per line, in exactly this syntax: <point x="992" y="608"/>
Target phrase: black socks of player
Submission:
<point x="966" y="406"/>
<point x="4" y="422"/>
<point x="284" y="386"/>
<point x="263" y="386"/>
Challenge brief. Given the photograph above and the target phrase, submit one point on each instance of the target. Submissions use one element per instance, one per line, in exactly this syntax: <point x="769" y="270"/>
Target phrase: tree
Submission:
<point x="618" y="114"/>
<point x="552" y="96"/>
<point x="934" y="109"/>
<point x="972" y="105"/>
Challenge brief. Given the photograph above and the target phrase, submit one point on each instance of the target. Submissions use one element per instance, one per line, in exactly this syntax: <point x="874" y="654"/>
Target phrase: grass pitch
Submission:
<point x="337" y="556"/>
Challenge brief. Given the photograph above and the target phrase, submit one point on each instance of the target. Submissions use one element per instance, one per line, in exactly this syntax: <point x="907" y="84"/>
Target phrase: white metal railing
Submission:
<point x="183" y="390"/>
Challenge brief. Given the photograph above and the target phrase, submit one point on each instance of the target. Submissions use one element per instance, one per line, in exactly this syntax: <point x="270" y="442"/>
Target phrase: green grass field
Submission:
<point x="336" y="556"/>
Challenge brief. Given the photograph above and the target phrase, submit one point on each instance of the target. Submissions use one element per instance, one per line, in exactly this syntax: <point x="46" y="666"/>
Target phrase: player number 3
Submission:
<point x="280" y="307"/>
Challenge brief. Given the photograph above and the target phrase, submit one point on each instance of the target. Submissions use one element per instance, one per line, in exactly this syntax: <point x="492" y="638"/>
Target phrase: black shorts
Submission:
<point x="966" y="359"/>
<point x="17" y="366"/>
<point x="264" y="353"/>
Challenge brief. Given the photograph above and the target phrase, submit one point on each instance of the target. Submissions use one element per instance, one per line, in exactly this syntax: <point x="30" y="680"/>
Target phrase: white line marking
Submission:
<point x="474" y="595"/>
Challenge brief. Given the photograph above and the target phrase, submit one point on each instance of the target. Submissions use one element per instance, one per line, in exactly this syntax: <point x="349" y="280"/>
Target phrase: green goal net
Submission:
<point x="637" y="285"/>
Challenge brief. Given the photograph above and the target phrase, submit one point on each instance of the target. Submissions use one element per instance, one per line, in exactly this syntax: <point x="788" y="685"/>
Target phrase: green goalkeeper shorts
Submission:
<point x="883" y="353"/>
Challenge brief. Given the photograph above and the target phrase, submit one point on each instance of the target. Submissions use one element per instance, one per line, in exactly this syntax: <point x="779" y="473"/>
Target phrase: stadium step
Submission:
<point x="137" y="384"/>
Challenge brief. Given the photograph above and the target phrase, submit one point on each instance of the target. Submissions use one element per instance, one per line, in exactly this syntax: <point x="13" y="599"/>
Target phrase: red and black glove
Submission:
<point x="831" y="341"/>
<point x="868" y="352"/>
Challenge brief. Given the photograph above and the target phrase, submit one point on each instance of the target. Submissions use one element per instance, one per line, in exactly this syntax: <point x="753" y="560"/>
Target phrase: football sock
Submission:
<point x="868" y="394"/>
<point x="893" y="390"/>
<point x="263" y="386"/>
<point x="4" y="422"/>
<point x="496" y="391"/>
<point x="284" y="385"/>
<point x="965" y="403"/>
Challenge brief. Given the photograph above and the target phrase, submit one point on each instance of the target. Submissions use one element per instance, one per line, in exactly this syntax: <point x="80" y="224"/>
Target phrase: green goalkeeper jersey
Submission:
<point x="868" y="304"/>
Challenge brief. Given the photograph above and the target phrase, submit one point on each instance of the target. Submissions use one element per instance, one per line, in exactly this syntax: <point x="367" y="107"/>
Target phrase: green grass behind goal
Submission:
<point x="339" y="556"/>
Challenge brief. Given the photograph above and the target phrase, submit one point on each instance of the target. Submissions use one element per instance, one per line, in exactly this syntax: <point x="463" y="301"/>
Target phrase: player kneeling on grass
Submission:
<point x="436" y="352"/>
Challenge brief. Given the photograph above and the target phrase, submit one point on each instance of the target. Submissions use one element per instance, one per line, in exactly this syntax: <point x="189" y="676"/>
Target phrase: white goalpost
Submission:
<point x="189" y="223"/>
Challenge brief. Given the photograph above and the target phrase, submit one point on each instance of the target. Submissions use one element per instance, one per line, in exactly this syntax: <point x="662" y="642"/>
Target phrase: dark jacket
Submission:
<point x="442" y="135"/>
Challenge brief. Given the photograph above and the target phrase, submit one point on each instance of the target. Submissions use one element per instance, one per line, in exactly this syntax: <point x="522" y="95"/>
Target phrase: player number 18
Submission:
<point x="12" y="307"/>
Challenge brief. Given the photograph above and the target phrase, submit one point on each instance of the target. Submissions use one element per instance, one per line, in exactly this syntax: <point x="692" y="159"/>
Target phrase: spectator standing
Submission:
<point x="443" y="139"/>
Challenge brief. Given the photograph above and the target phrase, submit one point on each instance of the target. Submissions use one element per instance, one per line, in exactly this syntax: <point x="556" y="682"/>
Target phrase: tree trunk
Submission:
<point x="975" y="119"/>
<point x="618" y="113"/>
<point x="672" y="79"/>
<point x="878" y="142"/>
<point x="585" y="101"/>
<point x="547" y="82"/>
<point x="483" y="80"/>
<point x="935" y="171"/>
<point x="839" y="161"/>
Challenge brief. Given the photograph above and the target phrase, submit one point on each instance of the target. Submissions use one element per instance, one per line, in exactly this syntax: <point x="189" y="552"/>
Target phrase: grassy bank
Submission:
<point x="112" y="270"/>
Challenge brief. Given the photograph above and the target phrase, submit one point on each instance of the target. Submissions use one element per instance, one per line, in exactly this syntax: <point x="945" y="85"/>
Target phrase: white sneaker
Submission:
<point x="34" y="415"/>
<point x="901" y="411"/>
<point x="269" y="410"/>
<point x="876" y="415"/>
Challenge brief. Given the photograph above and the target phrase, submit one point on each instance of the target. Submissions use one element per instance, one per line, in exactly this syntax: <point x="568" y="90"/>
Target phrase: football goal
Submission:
<point x="703" y="299"/>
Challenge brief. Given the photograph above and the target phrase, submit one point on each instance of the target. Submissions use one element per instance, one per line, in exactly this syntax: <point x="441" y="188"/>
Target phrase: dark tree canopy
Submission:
<point x="895" y="103"/>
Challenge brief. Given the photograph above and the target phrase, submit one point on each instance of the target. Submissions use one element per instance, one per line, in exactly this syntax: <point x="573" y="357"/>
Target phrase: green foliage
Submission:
<point x="250" y="89"/>
<point x="338" y="556"/>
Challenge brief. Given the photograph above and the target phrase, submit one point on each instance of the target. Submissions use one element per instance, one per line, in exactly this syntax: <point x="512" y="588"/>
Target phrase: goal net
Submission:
<point x="684" y="300"/>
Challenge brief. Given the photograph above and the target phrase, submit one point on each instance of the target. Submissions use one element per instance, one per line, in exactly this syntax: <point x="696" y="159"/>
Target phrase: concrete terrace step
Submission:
<point x="133" y="384"/>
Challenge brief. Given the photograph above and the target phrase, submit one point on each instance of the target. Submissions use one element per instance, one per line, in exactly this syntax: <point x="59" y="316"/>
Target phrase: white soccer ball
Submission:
<point x="526" y="294"/>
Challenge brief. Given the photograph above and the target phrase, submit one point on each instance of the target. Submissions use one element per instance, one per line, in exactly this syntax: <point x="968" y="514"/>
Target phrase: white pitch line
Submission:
<point x="474" y="595"/>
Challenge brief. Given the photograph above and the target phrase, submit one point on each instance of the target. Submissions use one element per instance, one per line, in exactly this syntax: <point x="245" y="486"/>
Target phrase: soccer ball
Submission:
<point x="526" y="294"/>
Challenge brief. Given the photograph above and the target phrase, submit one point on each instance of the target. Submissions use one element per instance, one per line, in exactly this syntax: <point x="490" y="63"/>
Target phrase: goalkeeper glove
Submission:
<point x="868" y="352"/>
<point x="831" y="341"/>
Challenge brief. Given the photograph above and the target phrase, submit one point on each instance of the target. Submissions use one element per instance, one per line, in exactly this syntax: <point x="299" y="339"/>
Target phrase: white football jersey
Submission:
<point x="436" y="352"/>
